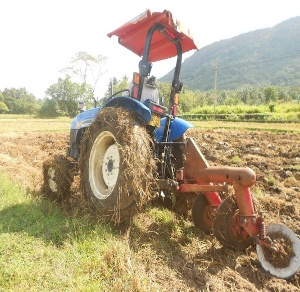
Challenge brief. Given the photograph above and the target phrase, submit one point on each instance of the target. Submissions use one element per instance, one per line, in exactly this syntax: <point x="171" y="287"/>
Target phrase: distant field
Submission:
<point x="290" y="127"/>
<point x="23" y="124"/>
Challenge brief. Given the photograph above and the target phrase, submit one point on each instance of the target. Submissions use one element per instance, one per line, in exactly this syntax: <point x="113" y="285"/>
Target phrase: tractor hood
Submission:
<point x="132" y="35"/>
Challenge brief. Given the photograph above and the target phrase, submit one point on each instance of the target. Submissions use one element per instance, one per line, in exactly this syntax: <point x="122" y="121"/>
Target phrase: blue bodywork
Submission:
<point x="84" y="119"/>
<point x="177" y="129"/>
<point x="178" y="126"/>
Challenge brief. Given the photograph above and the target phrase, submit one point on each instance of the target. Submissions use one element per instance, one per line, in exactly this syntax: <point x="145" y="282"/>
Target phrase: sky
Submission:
<point x="40" y="37"/>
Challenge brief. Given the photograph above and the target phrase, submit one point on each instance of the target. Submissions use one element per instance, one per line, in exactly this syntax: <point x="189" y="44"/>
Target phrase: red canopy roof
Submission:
<point x="132" y="35"/>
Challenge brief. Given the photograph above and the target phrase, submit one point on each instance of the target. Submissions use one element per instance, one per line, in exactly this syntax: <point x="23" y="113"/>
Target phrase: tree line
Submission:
<point x="62" y="97"/>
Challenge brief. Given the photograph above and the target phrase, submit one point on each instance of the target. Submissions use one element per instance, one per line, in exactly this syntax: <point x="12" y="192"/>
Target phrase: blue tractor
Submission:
<point x="125" y="148"/>
<point x="133" y="148"/>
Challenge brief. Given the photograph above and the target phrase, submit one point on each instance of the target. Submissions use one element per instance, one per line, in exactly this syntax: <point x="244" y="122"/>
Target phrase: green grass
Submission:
<point x="44" y="248"/>
<point x="280" y="112"/>
<point x="236" y="159"/>
<point x="280" y="108"/>
<point x="271" y="127"/>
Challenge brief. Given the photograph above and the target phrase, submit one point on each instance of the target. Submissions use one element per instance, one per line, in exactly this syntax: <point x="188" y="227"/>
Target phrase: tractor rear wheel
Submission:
<point x="115" y="163"/>
<point x="58" y="176"/>
<point x="226" y="225"/>
<point x="203" y="213"/>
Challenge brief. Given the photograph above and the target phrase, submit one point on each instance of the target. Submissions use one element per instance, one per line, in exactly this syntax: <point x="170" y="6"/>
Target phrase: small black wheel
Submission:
<point x="58" y="176"/>
<point x="203" y="213"/>
<point x="115" y="162"/>
<point x="226" y="225"/>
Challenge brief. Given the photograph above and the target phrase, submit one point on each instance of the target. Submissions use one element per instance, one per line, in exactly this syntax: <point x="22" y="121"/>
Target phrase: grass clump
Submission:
<point x="44" y="248"/>
<point x="236" y="159"/>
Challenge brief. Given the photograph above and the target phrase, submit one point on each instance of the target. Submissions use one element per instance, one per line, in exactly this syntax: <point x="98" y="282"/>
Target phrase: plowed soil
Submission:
<point x="275" y="157"/>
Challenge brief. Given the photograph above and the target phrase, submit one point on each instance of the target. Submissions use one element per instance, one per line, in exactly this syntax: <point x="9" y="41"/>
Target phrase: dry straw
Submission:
<point x="137" y="164"/>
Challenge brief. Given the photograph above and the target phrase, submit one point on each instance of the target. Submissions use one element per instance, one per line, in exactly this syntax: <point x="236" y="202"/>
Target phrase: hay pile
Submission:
<point x="137" y="166"/>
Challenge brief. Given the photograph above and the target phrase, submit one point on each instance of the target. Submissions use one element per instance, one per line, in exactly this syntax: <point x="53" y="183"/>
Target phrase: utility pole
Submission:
<point x="111" y="87"/>
<point x="215" y="100"/>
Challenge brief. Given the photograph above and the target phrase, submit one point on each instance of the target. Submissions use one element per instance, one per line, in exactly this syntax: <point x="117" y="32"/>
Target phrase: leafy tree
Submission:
<point x="187" y="101"/>
<point x="270" y="94"/>
<point x="48" y="109"/>
<point x="120" y="84"/>
<point x="164" y="91"/>
<point x="19" y="101"/>
<point x="3" y="107"/>
<point x="20" y="93"/>
<point x="201" y="98"/>
<point x="67" y="94"/>
<point x="115" y="85"/>
<point x="89" y="69"/>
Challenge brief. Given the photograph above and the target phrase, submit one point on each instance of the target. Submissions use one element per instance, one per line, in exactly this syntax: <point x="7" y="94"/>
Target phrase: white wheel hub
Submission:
<point x="104" y="164"/>
<point x="51" y="181"/>
<point x="294" y="261"/>
<point x="110" y="165"/>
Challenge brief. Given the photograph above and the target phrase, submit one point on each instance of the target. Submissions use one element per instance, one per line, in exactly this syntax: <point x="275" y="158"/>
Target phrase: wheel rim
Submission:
<point x="104" y="164"/>
<point x="110" y="166"/>
<point x="294" y="261"/>
<point x="51" y="181"/>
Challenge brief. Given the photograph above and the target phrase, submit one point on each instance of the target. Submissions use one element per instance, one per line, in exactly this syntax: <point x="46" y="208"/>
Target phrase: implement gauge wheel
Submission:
<point x="203" y="213"/>
<point x="285" y="262"/>
<point x="226" y="226"/>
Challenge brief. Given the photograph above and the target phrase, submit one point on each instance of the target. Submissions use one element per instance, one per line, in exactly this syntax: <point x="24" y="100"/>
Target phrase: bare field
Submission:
<point x="200" y="263"/>
<point x="12" y="126"/>
<point x="276" y="127"/>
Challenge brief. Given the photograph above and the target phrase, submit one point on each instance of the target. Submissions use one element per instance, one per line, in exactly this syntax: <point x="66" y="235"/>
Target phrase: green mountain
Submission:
<point x="264" y="57"/>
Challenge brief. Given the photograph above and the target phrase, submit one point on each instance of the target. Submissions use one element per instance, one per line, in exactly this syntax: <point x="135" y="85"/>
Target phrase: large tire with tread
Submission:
<point x="58" y="176"/>
<point x="116" y="163"/>
<point x="225" y="225"/>
<point x="203" y="213"/>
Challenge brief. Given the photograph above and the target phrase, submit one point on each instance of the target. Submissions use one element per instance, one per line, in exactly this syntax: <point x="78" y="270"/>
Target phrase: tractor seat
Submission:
<point x="150" y="90"/>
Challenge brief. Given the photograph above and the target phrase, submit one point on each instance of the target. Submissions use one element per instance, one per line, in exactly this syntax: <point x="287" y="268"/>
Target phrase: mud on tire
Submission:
<point x="58" y="176"/>
<point x="116" y="163"/>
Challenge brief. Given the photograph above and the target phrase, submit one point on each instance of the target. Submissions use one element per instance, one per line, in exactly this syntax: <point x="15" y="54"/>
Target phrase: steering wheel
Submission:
<point x="120" y="92"/>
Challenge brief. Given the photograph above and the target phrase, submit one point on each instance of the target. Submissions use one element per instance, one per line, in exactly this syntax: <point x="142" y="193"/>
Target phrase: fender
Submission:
<point x="177" y="129"/>
<point x="84" y="119"/>
<point x="131" y="104"/>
